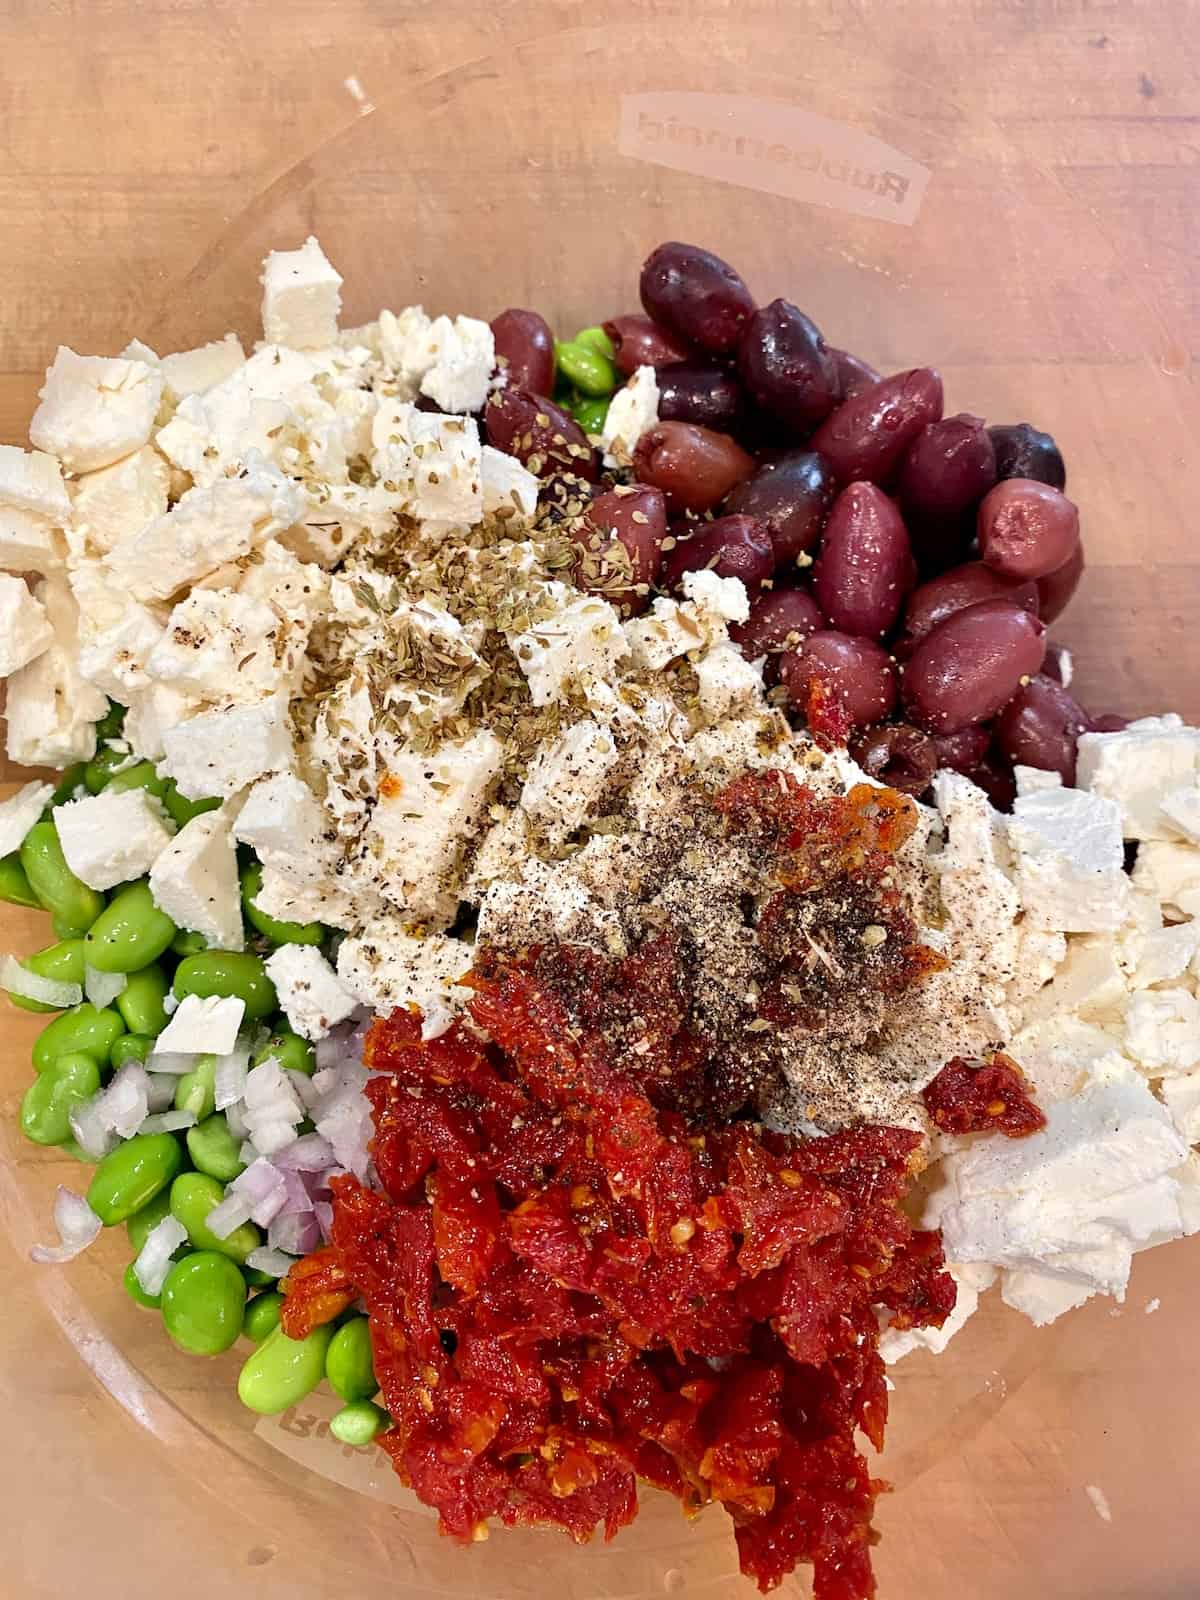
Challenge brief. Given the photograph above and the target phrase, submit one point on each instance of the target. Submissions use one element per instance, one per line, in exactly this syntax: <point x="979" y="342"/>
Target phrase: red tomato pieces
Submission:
<point x="983" y="1097"/>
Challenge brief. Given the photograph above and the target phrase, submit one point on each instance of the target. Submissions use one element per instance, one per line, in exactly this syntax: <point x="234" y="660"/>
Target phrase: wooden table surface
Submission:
<point x="469" y="156"/>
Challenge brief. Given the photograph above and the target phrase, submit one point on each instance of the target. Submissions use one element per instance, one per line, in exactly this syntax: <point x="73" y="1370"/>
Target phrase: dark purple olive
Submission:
<point x="642" y="343"/>
<point x="636" y="519"/>
<point x="896" y="754"/>
<point x="1023" y="451"/>
<point x="699" y="392"/>
<point x="732" y="547"/>
<point x="866" y="436"/>
<point x="1057" y="587"/>
<point x="526" y="344"/>
<point x="995" y="777"/>
<point x="853" y="373"/>
<point x="860" y="675"/>
<point x="694" y="467"/>
<point x="947" y="470"/>
<point x="696" y="295"/>
<point x="785" y="367"/>
<point x="539" y="434"/>
<point x="1040" y="727"/>
<point x="792" y="495"/>
<point x="951" y="591"/>
<point x="1027" y="529"/>
<point x="777" y="621"/>
<point x="971" y="665"/>
<point x="963" y="751"/>
<point x="865" y="567"/>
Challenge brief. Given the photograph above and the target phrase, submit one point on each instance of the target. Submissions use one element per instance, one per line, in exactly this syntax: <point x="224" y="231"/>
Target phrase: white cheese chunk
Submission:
<point x="151" y="711"/>
<point x="1033" y="780"/>
<point x="407" y="347"/>
<point x="220" y="752"/>
<point x="302" y="297"/>
<point x="194" y="371"/>
<point x="508" y="488"/>
<point x="1070" y="860"/>
<point x="581" y="643"/>
<point x="95" y="409"/>
<point x="387" y="968"/>
<point x="1137" y="767"/>
<point x="31" y="482"/>
<point x="118" y="502"/>
<point x="20" y="811"/>
<point x="1171" y="873"/>
<point x="666" y="632"/>
<point x="283" y="823"/>
<point x="50" y="709"/>
<point x="111" y="838"/>
<point x="715" y="597"/>
<point x="219" y="645"/>
<point x="1042" y="1297"/>
<point x="1181" y="807"/>
<point x="29" y="544"/>
<point x="1057" y="1053"/>
<point x="1089" y="982"/>
<point x="25" y="630"/>
<point x="1162" y="1030"/>
<point x="312" y="996"/>
<point x="435" y="461"/>
<point x="1166" y="954"/>
<point x="1181" y="1096"/>
<point x="466" y="358"/>
<point x="726" y="681"/>
<point x="195" y="881"/>
<point x="202" y="1025"/>
<point x="568" y="777"/>
<point x="632" y="412"/>
<point x="323" y="900"/>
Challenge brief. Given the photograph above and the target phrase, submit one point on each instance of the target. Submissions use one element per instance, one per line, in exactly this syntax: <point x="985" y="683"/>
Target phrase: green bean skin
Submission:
<point x="592" y="373"/>
<point x="359" y="1423"/>
<point x="262" y="1315"/>
<point x="83" y="1028"/>
<point x="129" y="934"/>
<point x="62" y="962"/>
<point x="596" y="339"/>
<point x="293" y="1053"/>
<point x="182" y="811"/>
<point x="49" y="1100"/>
<point x="203" y="1301"/>
<point x="193" y="1196"/>
<point x="141" y="776"/>
<point x="281" y="1371"/>
<point x="228" y="973"/>
<point x="214" y="1150"/>
<point x="137" y="1294"/>
<point x="130" y="1047"/>
<point x="142" y="1001"/>
<point x="349" y="1364"/>
<point x="132" y="1174"/>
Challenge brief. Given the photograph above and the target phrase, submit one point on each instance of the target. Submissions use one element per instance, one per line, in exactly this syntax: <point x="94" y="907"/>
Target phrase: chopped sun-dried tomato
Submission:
<point x="983" y="1096"/>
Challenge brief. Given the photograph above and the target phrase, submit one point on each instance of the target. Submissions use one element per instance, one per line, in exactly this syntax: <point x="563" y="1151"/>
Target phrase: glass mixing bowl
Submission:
<point x="919" y="214"/>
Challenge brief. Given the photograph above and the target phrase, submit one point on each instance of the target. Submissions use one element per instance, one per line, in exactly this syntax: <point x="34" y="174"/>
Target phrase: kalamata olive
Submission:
<point x="792" y="495"/>
<point x="951" y="591"/>
<point x="694" y="467"/>
<point x="963" y="751"/>
<point x="853" y="373"/>
<point x="640" y="342"/>
<point x="699" y="392"/>
<point x="1057" y="587"/>
<point x="732" y="547"/>
<point x="1027" y="529"/>
<point x="785" y="366"/>
<point x="1040" y="726"/>
<point x="995" y="777"/>
<point x="1109" y="722"/>
<point x="858" y="672"/>
<point x="896" y="754"/>
<point x="946" y="471"/>
<point x="1023" y="451"/>
<point x="1058" y="663"/>
<point x="696" y="295"/>
<point x="777" y="621"/>
<point x="865" y="567"/>
<point x="524" y="340"/>
<point x="636" y="520"/>
<point x="540" y="434"/>
<point x="971" y="665"/>
<point x="867" y="435"/>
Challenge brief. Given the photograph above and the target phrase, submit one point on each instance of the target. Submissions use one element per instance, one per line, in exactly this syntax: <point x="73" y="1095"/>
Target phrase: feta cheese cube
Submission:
<point x="219" y="645"/>
<point x="581" y="643"/>
<point x="509" y="489"/>
<point x="1181" y="1096"/>
<point x="194" y="880"/>
<point x="50" y="709"/>
<point x="20" y="811"/>
<point x="220" y="752"/>
<point x="323" y="900"/>
<point x="568" y="777"/>
<point x="1138" y="767"/>
<point x="666" y="632"/>
<point x="312" y="996"/>
<point x="1042" y="1297"/>
<point x="111" y="838"/>
<point x="726" y="681"/>
<point x="194" y="371"/>
<point x="632" y="412"/>
<point x="715" y="598"/>
<point x="1166" y="954"/>
<point x="95" y="409"/>
<point x="1070" y="860"/>
<point x="151" y="711"/>
<point x="387" y="968"/>
<point x="118" y="502"/>
<point x="202" y="1025"/>
<point x="1032" y="780"/>
<point x="29" y="544"/>
<point x="407" y="348"/>
<point x="302" y="297"/>
<point x="1171" y="873"/>
<point x="465" y="360"/>
<point x="292" y="588"/>
<point x="435" y="462"/>
<point x="25" y="630"/>
<point x="1162" y="1031"/>
<point x="971" y="1278"/>
<point x="1181" y="807"/>
<point x="283" y="823"/>
<point x="1089" y="982"/>
<point x="31" y="482"/>
<point x="250" y="414"/>
<point x="1057" y="1053"/>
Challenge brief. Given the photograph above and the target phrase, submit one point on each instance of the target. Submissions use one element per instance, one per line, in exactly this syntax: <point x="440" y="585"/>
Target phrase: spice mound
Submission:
<point x="571" y="1288"/>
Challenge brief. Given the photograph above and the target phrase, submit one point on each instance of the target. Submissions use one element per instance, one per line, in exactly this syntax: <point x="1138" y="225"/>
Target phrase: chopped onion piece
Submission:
<point x="236" y="1121"/>
<point x="308" y="1153"/>
<point x="172" y="1061"/>
<point x="275" y="1262"/>
<point x="298" y="1198"/>
<point x="229" y="1078"/>
<point x="264" y="1188"/>
<point x="154" y="1258"/>
<point x="127" y="1099"/>
<point x="93" y="1132"/>
<point x="302" y="1084"/>
<point x="78" y="1226"/>
<point x="161" y="1093"/>
<point x="296" y="1234"/>
<point x="26" y="985"/>
<point x="168" y="1121"/>
<point x="323" y="1211"/>
<point x="102" y="988"/>
<point x="247" y="1153"/>
<point x="229" y="1214"/>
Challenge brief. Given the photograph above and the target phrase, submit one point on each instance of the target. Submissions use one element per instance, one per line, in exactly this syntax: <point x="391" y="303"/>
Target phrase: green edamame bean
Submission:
<point x="596" y="339"/>
<point x="591" y="372"/>
<point x="188" y="943"/>
<point x="129" y="934"/>
<point x="137" y="1294"/>
<point x="281" y="1371"/>
<point x="130" y="1047"/>
<point x="73" y="904"/>
<point x="181" y="810"/>
<point x="256" y="1278"/>
<point x="273" y="928"/>
<point x="49" y="1100"/>
<point x="193" y="1196"/>
<point x="591" y="415"/>
<point x="132" y="1174"/>
<point x="228" y="973"/>
<point x="202" y="1303"/>
<point x="214" y="1150"/>
<point x="262" y="1315"/>
<point x="62" y="962"/>
<point x="139" y="1225"/>
<point x="111" y="723"/>
<point x="83" y="1028"/>
<point x="141" y="776"/>
<point x="358" y="1423"/>
<point x="103" y="767"/>
<point x="293" y="1053"/>
<point x="195" y="1090"/>
<point x="68" y="784"/>
<point x="140" y="1002"/>
<point x="14" y="885"/>
<point x="349" y="1364"/>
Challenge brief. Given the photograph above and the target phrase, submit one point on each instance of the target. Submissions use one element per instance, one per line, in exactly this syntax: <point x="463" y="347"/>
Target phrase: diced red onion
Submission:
<point x="298" y="1198"/>
<point x="347" y="1126"/>
<point x="102" y="988"/>
<point x="229" y="1214"/>
<point x="26" y="985"/>
<point x="229" y="1077"/>
<point x="236" y="1122"/>
<point x="78" y="1226"/>
<point x="247" y="1153"/>
<point x="308" y="1153"/>
<point x="264" y="1188"/>
<point x="154" y="1258"/>
<point x="303" y="1085"/>
<point x="275" y="1262"/>
<point x="297" y="1234"/>
<point x="323" y="1211"/>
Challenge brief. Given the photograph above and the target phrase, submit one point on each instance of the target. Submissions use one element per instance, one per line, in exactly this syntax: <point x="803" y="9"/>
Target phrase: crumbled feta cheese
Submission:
<point x="28" y="544"/>
<point x="407" y="348"/>
<point x="666" y="632"/>
<point x="50" y="709"/>
<point x="1181" y="807"/>
<point x="302" y="297"/>
<point x="220" y="752"/>
<point x="1070" y="860"/>
<point x="194" y="371"/>
<point x="249" y="415"/>
<point x="1162" y="1030"/>
<point x="1165" y="954"/>
<point x="286" y="828"/>
<point x="568" y="777"/>
<point x="312" y="996"/>
<point x="95" y="409"/>
<point x="580" y="643"/>
<point x="289" y="900"/>
<point x="437" y="461"/>
<point x="292" y="588"/>
<point x="219" y="645"/>
<point x="387" y="968"/>
<point x="205" y="1025"/>
<point x="111" y="838"/>
<point x="1181" y="1096"/>
<point x="632" y="411"/>
<point x="715" y="597"/>
<point x="20" y="811"/>
<point x="151" y="711"/>
<point x="1057" y="1053"/>
<point x="31" y="482"/>
<point x="507" y="485"/>
<point x="1171" y="873"/>
<point x="25" y="630"/>
<point x="118" y="502"/>
<point x="726" y="681"/>
<point x="466" y="357"/>
<point x="195" y="881"/>
<point x="1137" y="767"/>
<point x="1090" y="981"/>
<point x="1033" y="780"/>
